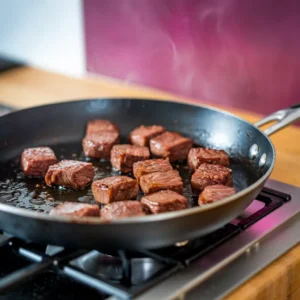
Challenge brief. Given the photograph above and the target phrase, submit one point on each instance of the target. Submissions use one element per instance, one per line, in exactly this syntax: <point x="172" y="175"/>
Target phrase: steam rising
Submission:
<point x="240" y="53"/>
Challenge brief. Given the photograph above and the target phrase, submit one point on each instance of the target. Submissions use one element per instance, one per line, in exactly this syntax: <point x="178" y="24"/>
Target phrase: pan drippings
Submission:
<point x="32" y="193"/>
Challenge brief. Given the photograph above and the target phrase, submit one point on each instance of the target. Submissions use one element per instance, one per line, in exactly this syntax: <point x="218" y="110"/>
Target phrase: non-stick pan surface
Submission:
<point x="26" y="202"/>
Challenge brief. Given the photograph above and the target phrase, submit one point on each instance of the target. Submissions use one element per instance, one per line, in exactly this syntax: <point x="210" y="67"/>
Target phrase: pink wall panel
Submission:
<point x="237" y="53"/>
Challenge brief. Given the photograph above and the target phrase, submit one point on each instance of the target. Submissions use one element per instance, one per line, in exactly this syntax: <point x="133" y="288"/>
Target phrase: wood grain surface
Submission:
<point x="25" y="87"/>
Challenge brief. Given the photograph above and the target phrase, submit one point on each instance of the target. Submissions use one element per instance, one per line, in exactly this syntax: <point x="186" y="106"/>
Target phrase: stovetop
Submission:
<point x="267" y="229"/>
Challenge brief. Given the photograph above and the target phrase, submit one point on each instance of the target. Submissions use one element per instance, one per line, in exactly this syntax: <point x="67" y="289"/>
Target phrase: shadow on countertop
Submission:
<point x="7" y="63"/>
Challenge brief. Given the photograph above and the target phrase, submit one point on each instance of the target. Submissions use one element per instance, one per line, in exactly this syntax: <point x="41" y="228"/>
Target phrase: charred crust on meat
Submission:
<point x="209" y="174"/>
<point x="171" y="145"/>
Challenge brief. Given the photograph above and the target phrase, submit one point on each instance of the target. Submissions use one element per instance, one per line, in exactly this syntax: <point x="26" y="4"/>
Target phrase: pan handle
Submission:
<point x="283" y="117"/>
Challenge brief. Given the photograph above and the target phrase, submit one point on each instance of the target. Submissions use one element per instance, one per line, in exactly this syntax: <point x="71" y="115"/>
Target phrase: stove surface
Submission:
<point x="268" y="228"/>
<point x="224" y="268"/>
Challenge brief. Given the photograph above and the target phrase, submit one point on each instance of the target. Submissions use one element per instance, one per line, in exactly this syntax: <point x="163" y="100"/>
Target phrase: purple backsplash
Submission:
<point x="236" y="53"/>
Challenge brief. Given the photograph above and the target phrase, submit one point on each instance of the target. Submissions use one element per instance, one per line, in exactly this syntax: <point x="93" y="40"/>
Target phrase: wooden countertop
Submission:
<point x="25" y="87"/>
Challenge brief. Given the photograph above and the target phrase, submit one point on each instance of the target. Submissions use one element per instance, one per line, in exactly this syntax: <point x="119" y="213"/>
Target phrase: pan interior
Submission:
<point x="62" y="127"/>
<point x="34" y="194"/>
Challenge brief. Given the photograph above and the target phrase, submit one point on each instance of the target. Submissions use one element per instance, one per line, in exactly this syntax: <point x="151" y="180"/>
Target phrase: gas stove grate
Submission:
<point x="80" y="265"/>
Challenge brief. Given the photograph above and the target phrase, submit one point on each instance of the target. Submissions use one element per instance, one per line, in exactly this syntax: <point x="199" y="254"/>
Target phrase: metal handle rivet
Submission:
<point x="253" y="151"/>
<point x="262" y="160"/>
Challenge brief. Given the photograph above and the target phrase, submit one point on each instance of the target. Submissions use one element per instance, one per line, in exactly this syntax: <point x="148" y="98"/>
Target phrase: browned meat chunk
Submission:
<point x="95" y="126"/>
<point x="164" y="201"/>
<point x="98" y="145"/>
<point x="215" y="193"/>
<point x="76" y="210"/>
<point x="100" y="137"/>
<point x="71" y="174"/>
<point x="123" y="156"/>
<point x="141" y="168"/>
<point x="208" y="174"/>
<point x="171" y="145"/>
<point x="115" y="188"/>
<point x="141" y="135"/>
<point x="122" y="209"/>
<point x="36" y="161"/>
<point x="198" y="156"/>
<point x="154" y="182"/>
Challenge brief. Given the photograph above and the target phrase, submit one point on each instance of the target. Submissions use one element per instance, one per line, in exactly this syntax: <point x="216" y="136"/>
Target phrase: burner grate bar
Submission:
<point x="271" y="203"/>
<point x="31" y="252"/>
<point x="95" y="282"/>
<point x="30" y="255"/>
<point x="275" y="193"/>
<point x="12" y="280"/>
<point x="163" y="259"/>
<point x="127" y="268"/>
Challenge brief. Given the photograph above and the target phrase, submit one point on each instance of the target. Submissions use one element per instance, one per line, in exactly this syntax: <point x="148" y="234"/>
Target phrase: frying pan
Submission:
<point x="25" y="202"/>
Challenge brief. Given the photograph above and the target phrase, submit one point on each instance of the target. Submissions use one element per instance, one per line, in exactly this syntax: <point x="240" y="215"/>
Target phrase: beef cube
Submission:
<point x="213" y="193"/>
<point x="144" y="167"/>
<point x="122" y="209"/>
<point x="198" y="156"/>
<point x="36" y="161"/>
<point x="100" y="137"/>
<point x="171" y="145"/>
<point x="95" y="126"/>
<point x="208" y="174"/>
<point x="98" y="145"/>
<point x="70" y="174"/>
<point x="115" y="188"/>
<point x="154" y="182"/>
<point x="123" y="156"/>
<point x="73" y="209"/>
<point x="164" y="201"/>
<point x="141" y="135"/>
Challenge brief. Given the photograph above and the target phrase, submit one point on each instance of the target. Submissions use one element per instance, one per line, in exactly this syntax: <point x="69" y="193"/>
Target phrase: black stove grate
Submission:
<point x="124" y="276"/>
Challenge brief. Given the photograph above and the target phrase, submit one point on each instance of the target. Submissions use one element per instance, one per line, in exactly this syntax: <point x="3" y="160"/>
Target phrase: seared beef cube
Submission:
<point x="154" y="182"/>
<point x="36" y="161"/>
<point x="141" y="168"/>
<point x="115" y="188"/>
<point x="164" y="201"/>
<point x="71" y="174"/>
<point x="123" y="156"/>
<point x="198" y="156"/>
<point x="76" y="210"/>
<point x="100" y="137"/>
<point x="95" y="126"/>
<point x="122" y="209"/>
<point x="208" y="174"/>
<point x="99" y="145"/>
<point x="213" y="193"/>
<point x="141" y="135"/>
<point x="171" y="145"/>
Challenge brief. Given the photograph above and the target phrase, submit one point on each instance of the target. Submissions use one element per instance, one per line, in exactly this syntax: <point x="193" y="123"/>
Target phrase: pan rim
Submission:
<point x="149" y="218"/>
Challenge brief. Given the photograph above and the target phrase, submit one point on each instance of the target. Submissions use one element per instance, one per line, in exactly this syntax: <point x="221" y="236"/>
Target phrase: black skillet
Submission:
<point x="26" y="202"/>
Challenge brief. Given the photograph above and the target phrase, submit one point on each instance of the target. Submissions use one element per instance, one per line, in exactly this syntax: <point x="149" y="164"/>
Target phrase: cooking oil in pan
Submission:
<point x="32" y="193"/>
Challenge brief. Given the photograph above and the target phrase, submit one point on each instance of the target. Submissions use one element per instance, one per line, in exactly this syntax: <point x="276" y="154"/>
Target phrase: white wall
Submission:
<point x="44" y="33"/>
